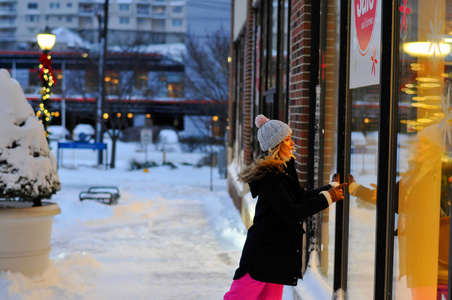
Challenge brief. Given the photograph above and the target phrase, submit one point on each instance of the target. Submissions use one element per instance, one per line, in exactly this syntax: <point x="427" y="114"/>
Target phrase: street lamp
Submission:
<point x="46" y="40"/>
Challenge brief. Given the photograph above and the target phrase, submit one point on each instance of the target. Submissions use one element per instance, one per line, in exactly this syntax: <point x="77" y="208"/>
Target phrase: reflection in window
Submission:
<point x="424" y="159"/>
<point x="362" y="189"/>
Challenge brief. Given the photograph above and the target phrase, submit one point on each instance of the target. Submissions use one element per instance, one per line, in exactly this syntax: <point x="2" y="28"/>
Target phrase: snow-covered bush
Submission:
<point x="28" y="169"/>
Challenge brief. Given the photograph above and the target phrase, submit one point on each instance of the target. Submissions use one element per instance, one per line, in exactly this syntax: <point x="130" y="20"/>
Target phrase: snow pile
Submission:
<point x="67" y="279"/>
<point x="27" y="168"/>
<point x="313" y="286"/>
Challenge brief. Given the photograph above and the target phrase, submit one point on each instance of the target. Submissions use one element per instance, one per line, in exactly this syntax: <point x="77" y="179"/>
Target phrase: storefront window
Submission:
<point x="238" y="100"/>
<point x="285" y="53"/>
<point x="424" y="159"/>
<point x="273" y="51"/>
<point x="328" y="103"/>
<point x="257" y="77"/>
<point x="363" y="177"/>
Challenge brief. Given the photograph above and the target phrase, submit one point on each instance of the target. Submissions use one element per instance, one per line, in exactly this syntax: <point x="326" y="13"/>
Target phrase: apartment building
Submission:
<point x="141" y="21"/>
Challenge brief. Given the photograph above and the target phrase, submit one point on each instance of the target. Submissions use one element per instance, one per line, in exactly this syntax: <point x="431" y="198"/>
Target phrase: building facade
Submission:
<point x="365" y="86"/>
<point x="153" y="21"/>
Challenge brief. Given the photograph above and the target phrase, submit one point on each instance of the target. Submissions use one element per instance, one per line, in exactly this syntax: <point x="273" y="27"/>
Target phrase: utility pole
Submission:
<point x="63" y="94"/>
<point x="101" y="94"/>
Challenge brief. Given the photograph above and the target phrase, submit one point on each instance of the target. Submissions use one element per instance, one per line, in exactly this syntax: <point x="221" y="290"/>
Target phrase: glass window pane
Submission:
<point x="271" y="76"/>
<point x="363" y="168"/>
<point x="329" y="76"/>
<point x="423" y="151"/>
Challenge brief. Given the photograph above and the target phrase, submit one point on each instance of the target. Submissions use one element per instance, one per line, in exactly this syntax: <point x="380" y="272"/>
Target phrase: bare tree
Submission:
<point x="123" y="84"/>
<point x="207" y="76"/>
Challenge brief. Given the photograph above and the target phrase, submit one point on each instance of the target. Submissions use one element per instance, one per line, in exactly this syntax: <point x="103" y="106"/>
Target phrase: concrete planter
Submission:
<point x="25" y="236"/>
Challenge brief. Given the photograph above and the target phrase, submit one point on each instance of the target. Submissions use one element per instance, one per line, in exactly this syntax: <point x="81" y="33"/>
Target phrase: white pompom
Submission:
<point x="260" y="120"/>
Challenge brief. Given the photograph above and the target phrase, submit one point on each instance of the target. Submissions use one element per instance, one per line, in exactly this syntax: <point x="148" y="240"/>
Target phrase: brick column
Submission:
<point x="248" y="84"/>
<point x="300" y="43"/>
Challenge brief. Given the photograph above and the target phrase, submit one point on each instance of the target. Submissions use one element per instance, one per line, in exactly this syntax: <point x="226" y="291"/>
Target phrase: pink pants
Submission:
<point x="246" y="288"/>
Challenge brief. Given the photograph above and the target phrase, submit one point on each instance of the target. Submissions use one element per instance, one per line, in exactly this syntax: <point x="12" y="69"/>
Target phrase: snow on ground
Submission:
<point x="169" y="237"/>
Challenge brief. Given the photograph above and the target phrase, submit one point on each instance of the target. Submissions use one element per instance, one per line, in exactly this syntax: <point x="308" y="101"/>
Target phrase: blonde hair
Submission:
<point x="275" y="152"/>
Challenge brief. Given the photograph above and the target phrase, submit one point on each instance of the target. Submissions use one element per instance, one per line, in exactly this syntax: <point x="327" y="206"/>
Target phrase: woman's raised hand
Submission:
<point x="337" y="193"/>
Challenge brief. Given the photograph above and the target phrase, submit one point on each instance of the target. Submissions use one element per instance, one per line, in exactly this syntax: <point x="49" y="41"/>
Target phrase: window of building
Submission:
<point x="177" y="22"/>
<point x="54" y="5"/>
<point x="158" y="10"/>
<point x="365" y="104"/>
<point x="238" y="101"/>
<point x="143" y="9"/>
<point x="32" y="5"/>
<point x="257" y="78"/>
<point x="424" y="151"/>
<point x="86" y="8"/>
<point x="124" y="20"/>
<point x="160" y="24"/>
<point x="273" y="42"/>
<point x="177" y="9"/>
<point x="69" y="4"/>
<point x="69" y="19"/>
<point x="32" y="18"/>
<point x="124" y="7"/>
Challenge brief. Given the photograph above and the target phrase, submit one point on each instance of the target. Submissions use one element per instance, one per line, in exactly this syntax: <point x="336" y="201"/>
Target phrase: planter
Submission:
<point x="25" y="236"/>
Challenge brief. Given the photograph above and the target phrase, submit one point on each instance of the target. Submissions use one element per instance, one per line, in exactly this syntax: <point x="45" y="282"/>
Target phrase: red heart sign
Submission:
<point x="364" y="22"/>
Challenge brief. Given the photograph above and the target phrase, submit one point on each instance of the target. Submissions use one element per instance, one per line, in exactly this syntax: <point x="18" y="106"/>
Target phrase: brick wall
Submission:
<point x="248" y="85"/>
<point x="300" y="37"/>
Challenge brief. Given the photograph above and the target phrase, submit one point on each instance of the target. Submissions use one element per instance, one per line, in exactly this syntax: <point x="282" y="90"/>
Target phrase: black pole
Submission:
<point x="386" y="180"/>
<point x="101" y="98"/>
<point x="341" y="246"/>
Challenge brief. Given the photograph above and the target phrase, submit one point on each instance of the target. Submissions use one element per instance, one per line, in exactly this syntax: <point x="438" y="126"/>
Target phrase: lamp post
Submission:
<point x="213" y="120"/>
<point x="46" y="40"/>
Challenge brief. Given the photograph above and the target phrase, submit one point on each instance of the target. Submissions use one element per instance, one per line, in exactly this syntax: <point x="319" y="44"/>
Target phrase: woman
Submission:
<point x="272" y="254"/>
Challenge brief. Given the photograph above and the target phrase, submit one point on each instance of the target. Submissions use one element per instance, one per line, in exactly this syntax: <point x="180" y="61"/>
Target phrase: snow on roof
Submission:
<point x="175" y="51"/>
<point x="72" y="39"/>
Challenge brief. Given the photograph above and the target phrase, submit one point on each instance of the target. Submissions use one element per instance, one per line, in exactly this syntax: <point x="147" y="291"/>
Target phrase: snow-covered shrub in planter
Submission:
<point x="28" y="174"/>
<point x="28" y="169"/>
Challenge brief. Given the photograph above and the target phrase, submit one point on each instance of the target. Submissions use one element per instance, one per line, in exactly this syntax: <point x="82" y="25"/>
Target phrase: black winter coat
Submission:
<point x="273" y="247"/>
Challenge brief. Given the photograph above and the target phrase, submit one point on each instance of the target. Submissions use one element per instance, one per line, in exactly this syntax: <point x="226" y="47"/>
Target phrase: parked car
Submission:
<point x="83" y="133"/>
<point x="58" y="132"/>
<point x="168" y="141"/>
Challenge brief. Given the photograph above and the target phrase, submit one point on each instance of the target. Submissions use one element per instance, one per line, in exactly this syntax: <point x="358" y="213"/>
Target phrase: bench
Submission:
<point x="103" y="194"/>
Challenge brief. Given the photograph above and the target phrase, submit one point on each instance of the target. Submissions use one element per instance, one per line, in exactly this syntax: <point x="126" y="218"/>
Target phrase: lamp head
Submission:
<point x="46" y="40"/>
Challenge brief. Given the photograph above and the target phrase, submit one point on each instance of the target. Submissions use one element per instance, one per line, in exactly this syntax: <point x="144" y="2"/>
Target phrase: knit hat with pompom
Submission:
<point x="271" y="132"/>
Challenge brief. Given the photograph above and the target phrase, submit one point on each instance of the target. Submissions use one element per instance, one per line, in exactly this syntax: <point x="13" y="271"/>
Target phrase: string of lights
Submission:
<point x="48" y="80"/>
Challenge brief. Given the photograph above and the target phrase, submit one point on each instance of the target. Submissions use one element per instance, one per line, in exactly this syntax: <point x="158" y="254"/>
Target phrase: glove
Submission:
<point x="350" y="178"/>
<point x="337" y="193"/>
<point x="336" y="178"/>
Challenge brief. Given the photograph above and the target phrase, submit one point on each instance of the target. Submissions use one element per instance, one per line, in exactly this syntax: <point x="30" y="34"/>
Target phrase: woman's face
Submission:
<point x="287" y="146"/>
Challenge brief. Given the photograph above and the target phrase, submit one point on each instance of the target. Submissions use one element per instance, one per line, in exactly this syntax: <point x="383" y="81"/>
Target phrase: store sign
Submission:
<point x="365" y="43"/>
